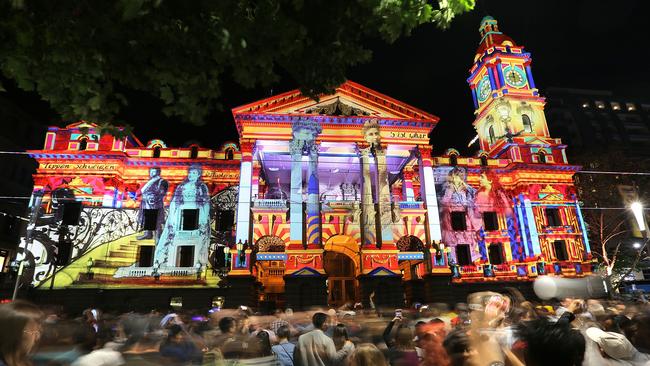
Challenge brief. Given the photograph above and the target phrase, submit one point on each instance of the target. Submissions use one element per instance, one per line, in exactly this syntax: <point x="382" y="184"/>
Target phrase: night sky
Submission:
<point x="576" y="44"/>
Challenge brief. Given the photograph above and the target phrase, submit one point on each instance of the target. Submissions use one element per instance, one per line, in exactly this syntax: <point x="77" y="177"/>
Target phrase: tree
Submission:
<point x="606" y="198"/>
<point x="82" y="56"/>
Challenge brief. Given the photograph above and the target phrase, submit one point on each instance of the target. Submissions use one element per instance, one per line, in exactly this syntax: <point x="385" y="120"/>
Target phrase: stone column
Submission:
<point x="244" y="196"/>
<point x="295" y="197"/>
<point x="383" y="197"/>
<point x="255" y="181"/>
<point x="367" y="201"/>
<point x="428" y="192"/>
<point x="407" y="185"/>
<point x="313" y="200"/>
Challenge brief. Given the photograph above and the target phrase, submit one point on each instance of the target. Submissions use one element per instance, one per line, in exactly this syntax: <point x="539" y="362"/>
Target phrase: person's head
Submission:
<point x="194" y="173"/>
<point x="21" y="331"/>
<point x="263" y="343"/>
<point x="319" y="320"/>
<point x="459" y="349"/>
<point x="227" y="325"/>
<point x="175" y="333"/>
<point x="154" y="172"/>
<point x="283" y="332"/>
<point x="611" y="344"/>
<point x="340" y="331"/>
<point x="371" y="132"/>
<point x="404" y="338"/>
<point x="542" y="335"/>
<point x="638" y="331"/>
<point x="367" y="354"/>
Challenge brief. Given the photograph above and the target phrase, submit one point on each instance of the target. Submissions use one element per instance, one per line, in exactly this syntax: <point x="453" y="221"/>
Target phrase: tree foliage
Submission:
<point x="606" y="199"/>
<point x="82" y="55"/>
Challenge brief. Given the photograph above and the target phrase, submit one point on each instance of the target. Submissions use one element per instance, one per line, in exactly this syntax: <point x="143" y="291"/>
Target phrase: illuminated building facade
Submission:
<point x="334" y="201"/>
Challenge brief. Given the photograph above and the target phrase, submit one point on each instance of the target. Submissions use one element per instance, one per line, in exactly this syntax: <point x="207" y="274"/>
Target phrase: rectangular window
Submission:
<point x="553" y="216"/>
<point x="145" y="256"/>
<point x="560" y="250"/>
<point x="490" y="221"/>
<point x="495" y="253"/>
<point x="463" y="255"/>
<point x="190" y="219"/>
<point x="186" y="256"/>
<point x="458" y="221"/>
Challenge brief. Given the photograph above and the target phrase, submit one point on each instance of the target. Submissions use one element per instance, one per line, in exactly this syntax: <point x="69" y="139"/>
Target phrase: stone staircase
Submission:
<point x="122" y="253"/>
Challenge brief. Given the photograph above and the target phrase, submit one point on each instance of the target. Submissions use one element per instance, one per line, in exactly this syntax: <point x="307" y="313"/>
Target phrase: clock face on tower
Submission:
<point x="484" y="88"/>
<point x="514" y="76"/>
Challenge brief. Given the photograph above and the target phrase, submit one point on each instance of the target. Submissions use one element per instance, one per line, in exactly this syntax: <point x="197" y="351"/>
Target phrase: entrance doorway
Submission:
<point x="341" y="281"/>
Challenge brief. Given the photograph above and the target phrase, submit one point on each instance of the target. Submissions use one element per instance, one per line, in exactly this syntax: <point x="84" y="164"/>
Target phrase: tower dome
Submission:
<point x="491" y="36"/>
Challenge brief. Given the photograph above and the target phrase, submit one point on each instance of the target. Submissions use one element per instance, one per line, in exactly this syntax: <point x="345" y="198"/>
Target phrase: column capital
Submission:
<point x="247" y="148"/>
<point x="425" y="155"/>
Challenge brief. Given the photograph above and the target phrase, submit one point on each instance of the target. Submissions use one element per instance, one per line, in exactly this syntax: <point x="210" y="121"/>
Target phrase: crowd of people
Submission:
<point x="491" y="329"/>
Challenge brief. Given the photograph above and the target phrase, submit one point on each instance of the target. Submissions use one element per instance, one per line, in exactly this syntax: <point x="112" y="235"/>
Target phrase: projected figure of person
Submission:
<point x="372" y="136"/>
<point x="153" y="196"/>
<point x="191" y="194"/>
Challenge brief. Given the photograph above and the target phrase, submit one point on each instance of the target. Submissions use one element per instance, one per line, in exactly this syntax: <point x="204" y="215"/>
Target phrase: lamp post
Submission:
<point x="240" y="252"/>
<point x="89" y="267"/>
<point x="637" y="210"/>
<point x="639" y="216"/>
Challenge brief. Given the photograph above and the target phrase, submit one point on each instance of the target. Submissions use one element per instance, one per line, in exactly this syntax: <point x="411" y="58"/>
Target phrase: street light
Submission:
<point x="637" y="210"/>
<point x="636" y="245"/>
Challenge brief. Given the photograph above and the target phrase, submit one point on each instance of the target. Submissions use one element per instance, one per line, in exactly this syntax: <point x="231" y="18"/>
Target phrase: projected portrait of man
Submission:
<point x="153" y="197"/>
<point x="371" y="134"/>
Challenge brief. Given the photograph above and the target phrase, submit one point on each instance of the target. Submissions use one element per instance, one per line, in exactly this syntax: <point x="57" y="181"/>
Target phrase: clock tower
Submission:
<point x="510" y="120"/>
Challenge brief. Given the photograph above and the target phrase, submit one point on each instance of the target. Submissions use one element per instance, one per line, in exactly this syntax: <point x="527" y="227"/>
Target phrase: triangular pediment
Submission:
<point x="306" y="272"/>
<point x="538" y="140"/>
<point x="349" y="99"/>
<point x="381" y="272"/>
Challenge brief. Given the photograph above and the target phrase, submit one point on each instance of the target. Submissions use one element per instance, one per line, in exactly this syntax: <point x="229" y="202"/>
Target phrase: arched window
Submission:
<point x="528" y="125"/>
<point x="491" y="137"/>
<point x="83" y="144"/>
<point x="194" y="152"/>
<point x="484" y="161"/>
<point x="229" y="154"/>
<point x="541" y="157"/>
<point x="453" y="160"/>
<point x="156" y="152"/>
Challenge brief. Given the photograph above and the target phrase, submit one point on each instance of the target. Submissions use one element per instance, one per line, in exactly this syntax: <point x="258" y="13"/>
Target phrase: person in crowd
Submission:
<point x="340" y="336"/>
<point x="367" y="354"/>
<point x="615" y="348"/>
<point x="401" y="348"/>
<point x="21" y="330"/>
<point x="317" y="349"/>
<point x="259" y="351"/>
<point x="541" y="336"/>
<point x="105" y="352"/>
<point x="142" y="344"/>
<point x="458" y="348"/>
<point x="279" y="321"/>
<point x="284" y="349"/>
<point x="178" y="348"/>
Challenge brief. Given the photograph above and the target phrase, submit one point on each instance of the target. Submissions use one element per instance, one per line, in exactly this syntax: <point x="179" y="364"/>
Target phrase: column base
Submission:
<point x="242" y="291"/>
<point x="388" y="291"/>
<point x="304" y="292"/>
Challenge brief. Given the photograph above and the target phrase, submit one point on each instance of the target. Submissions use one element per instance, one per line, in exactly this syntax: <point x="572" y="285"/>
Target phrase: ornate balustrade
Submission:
<point x="411" y="205"/>
<point x="270" y="203"/>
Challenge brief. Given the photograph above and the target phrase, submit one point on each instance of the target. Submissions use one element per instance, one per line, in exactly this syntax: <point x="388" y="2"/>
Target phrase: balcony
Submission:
<point x="270" y="203"/>
<point x="406" y="205"/>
